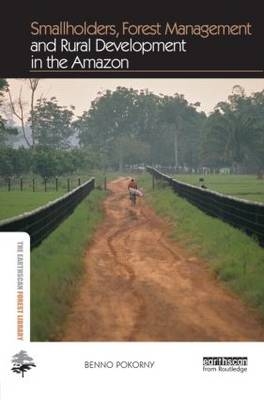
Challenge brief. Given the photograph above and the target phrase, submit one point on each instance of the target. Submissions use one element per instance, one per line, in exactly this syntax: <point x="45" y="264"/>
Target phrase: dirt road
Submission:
<point x="141" y="286"/>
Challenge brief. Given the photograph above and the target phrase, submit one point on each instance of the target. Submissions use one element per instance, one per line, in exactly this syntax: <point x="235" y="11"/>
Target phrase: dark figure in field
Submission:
<point x="202" y="185"/>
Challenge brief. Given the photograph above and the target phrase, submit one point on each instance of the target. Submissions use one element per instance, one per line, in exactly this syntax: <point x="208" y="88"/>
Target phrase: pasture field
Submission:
<point x="15" y="203"/>
<point x="246" y="187"/>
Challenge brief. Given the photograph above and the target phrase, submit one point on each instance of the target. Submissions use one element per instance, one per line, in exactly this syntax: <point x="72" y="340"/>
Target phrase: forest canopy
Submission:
<point x="125" y="127"/>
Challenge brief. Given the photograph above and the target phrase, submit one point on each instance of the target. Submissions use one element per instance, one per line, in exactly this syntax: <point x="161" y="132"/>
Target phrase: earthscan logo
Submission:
<point x="225" y="364"/>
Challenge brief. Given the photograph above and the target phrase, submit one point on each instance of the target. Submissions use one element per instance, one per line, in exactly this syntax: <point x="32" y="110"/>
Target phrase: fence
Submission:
<point x="39" y="185"/>
<point x="245" y="215"/>
<point x="42" y="221"/>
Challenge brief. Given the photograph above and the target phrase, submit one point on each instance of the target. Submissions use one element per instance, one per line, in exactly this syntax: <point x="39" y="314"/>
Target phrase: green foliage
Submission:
<point x="44" y="161"/>
<point x="234" y="132"/>
<point x="173" y="131"/>
<point x="3" y="85"/>
<point x="127" y="126"/>
<point x="110" y="119"/>
<point x="4" y="130"/>
<point x="14" y="162"/>
<point x="52" y="124"/>
<point x="50" y="163"/>
<point x="57" y="267"/>
<point x="130" y="126"/>
<point x="129" y="151"/>
<point x="182" y="124"/>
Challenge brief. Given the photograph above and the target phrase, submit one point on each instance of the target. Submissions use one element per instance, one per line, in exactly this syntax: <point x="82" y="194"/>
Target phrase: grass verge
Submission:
<point x="57" y="266"/>
<point x="236" y="258"/>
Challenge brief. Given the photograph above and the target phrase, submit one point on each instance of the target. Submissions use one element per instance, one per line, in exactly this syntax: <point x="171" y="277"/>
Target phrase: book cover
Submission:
<point x="132" y="201"/>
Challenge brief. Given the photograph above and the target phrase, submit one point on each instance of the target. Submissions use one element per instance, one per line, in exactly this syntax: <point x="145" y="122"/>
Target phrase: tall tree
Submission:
<point x="33" y="83"/>
<point x="5" y="130"/>
<point x="184" y="124"/>
<point x="110" y="119"/>
<point x="24" y="116"/>
<point x="3" y="88"/>
<point x="52" y="124"/>
<point x="235" y="131"/>
<point x="149" y="129"/>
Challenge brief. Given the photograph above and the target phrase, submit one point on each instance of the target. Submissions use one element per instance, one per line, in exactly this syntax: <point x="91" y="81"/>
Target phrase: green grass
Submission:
<point x="15" y="203"/>
<point x="243" y="186"/>
<point x="57" y="266"/>
<point x="236" y="258"/>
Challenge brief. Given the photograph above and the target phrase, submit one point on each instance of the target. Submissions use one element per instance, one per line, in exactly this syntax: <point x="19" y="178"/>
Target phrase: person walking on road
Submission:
<point x="132" y="187"/>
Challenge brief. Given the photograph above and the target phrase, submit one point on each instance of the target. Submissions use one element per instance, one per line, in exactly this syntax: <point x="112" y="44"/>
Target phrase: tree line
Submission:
<point x="127" y="126"/>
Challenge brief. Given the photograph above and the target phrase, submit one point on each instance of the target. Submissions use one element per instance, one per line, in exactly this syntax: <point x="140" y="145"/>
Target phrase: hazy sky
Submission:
<point x="80" y="92"/>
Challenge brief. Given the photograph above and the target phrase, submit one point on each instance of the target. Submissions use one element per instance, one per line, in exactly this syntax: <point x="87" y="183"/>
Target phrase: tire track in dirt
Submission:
<point x="139" y="285"/>
<point x="139" y="299"/>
